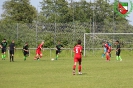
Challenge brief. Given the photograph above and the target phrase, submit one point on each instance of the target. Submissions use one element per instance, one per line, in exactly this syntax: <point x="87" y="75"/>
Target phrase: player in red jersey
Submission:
<point x="38" y="51"/>
<point x="108" y="50"/>
<point x="77" y="57"/>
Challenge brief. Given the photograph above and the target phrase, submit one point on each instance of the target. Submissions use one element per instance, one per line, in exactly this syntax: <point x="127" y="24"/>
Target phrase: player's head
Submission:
<point x="58" y="42"/>
<point x="4" y="40"/>
<point x="26" y="43"/>
<point x="116" y="42"/>
<point x="79" y="42"/>
<point x="108" y="43"/>
<point x="104" y="42"/>
<point x="12" y="41"/>
<point x="42" y="42"/>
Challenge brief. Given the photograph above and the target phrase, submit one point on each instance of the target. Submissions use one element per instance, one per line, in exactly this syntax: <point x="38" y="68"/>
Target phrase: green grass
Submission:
<point x="97" y="73"/>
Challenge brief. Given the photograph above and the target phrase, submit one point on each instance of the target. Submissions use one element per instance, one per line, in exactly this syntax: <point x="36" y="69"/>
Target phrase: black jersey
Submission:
<point x="59" y="46"/>
<point x="26" y="47"/>
<point x="118" y="47"/>
<point x="12" y="46"/>
<point x="4" y="44"/>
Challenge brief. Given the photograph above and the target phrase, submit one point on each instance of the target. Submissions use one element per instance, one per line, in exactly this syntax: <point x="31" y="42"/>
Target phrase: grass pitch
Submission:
<point x="97" y="72"/>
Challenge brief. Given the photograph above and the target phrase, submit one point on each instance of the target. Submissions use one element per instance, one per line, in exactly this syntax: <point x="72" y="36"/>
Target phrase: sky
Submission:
<point x="36" y="4"/>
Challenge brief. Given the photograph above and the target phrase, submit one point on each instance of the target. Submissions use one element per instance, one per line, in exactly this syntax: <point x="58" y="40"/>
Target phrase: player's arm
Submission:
<point x="56" y="47"/>
<point x="118" y="48"/>
<point x="41" y="47"/>
<point x="14" y="48"/>
<point x="24" y="49"/>
<point x="62" y="46"/>
<point x="81" y="51"/>
<point x="0" y="46"/>
<point x="74" y="49"/>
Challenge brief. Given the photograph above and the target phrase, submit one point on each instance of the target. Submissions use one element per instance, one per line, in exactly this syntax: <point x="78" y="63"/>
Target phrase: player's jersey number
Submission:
<point x="78" y="50"/>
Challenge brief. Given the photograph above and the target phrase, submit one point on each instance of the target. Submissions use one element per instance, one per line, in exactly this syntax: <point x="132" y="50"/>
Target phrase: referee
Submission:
<point x="11" y="50"/>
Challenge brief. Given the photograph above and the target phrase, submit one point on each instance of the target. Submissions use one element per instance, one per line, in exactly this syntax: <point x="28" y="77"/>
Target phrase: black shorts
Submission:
<point x="58" y="51"/>
<point x="3" y="50"/>
<point x="118" y="53"/>
<point x="11" y="52"/>
<point x="26" y="53"/>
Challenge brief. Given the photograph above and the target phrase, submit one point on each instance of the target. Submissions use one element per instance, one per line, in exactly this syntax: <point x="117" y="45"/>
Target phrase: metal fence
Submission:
<point x="51" y="33"/>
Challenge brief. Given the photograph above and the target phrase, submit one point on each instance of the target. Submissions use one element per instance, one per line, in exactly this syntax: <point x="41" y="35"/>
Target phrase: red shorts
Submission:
<point x="77" y="59"/>
<point x="38" y="52"/>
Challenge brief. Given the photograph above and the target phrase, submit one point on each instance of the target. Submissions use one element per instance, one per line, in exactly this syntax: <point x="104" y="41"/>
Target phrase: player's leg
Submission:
<point x="104" y="52"/>
<point x="40" y="54"/>
<point x="24" y="55"/>
<point x="57" y="52"/>
<point x="12" y="55"/>
<point x="119" y="56"/>
<point x="2" y="56"/>
<point x="107" y="56"/>
<point x="74" y="66"/>
<point x="37" y="55"/>
<point x="80" y="66"/>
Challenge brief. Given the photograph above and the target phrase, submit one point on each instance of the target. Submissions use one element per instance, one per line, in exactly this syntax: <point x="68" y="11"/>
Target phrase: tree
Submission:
<point x="56" y="11"/>
<point x="19" y="11"/>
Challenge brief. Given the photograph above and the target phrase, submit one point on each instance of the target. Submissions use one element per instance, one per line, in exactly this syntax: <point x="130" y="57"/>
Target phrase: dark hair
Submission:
<point x="117" y="41"/>
<point x="4" y="39"/>
<point x="79" y="41"/>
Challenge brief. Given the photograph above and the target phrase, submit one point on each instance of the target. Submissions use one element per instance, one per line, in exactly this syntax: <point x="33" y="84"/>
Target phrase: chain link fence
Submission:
<point x="51" y="33"/>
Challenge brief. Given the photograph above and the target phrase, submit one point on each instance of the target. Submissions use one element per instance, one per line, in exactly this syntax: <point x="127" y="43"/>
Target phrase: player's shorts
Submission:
<point x="58" y="51"/>
<point x="25" y="53"/>
<point x="77" y="59"/>
<point x="118" y="53"/>
<point x="38" y="52"/>
<point x="11" y="51"/>
<point x="3" y="50"/>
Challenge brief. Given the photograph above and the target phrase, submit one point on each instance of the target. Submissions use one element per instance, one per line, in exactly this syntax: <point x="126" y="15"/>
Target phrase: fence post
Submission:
<point x="17" y="31"/>
<point x="84" y="44"/>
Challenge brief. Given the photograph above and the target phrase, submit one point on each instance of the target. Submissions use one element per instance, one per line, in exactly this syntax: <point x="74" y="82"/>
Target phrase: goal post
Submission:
<point x="93" y="41"/>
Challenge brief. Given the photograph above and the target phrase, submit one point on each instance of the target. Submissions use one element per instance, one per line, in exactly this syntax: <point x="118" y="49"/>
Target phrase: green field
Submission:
<point x="97" y="72"/>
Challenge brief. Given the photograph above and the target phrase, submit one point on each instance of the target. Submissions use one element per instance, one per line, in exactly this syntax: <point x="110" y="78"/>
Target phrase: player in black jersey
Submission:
<point x="58" y="49"/>
<point x="11" y="50"/>
<point x="25" y="50"/>
<point x="118" y="51"/>
<point x="3" y="46"/>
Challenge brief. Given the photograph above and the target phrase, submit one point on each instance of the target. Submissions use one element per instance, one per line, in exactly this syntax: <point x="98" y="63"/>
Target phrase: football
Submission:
<point x="52" y="59"/>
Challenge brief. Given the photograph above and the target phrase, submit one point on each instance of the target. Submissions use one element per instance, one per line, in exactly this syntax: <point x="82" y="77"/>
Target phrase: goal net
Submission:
<point x="93" y="41"/>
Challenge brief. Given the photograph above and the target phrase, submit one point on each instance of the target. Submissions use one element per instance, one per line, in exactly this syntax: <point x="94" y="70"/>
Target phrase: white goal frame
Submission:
<point x="101" y="34"/>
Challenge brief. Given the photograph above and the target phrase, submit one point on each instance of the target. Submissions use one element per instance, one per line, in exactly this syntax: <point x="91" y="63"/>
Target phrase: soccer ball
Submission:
<point x="52" y="59"/>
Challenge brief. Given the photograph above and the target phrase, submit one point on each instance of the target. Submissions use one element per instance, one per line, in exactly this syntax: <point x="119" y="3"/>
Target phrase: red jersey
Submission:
<point x="78" y="50"/>
<point x="108" y="48"/>
<point x="39" y="47"/>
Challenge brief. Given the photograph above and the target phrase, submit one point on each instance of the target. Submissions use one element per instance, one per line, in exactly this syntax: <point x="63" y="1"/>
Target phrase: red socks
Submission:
<point x="79" y="68"/>
<point x="74" y="67"/>
<point x="107" y="57"/>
